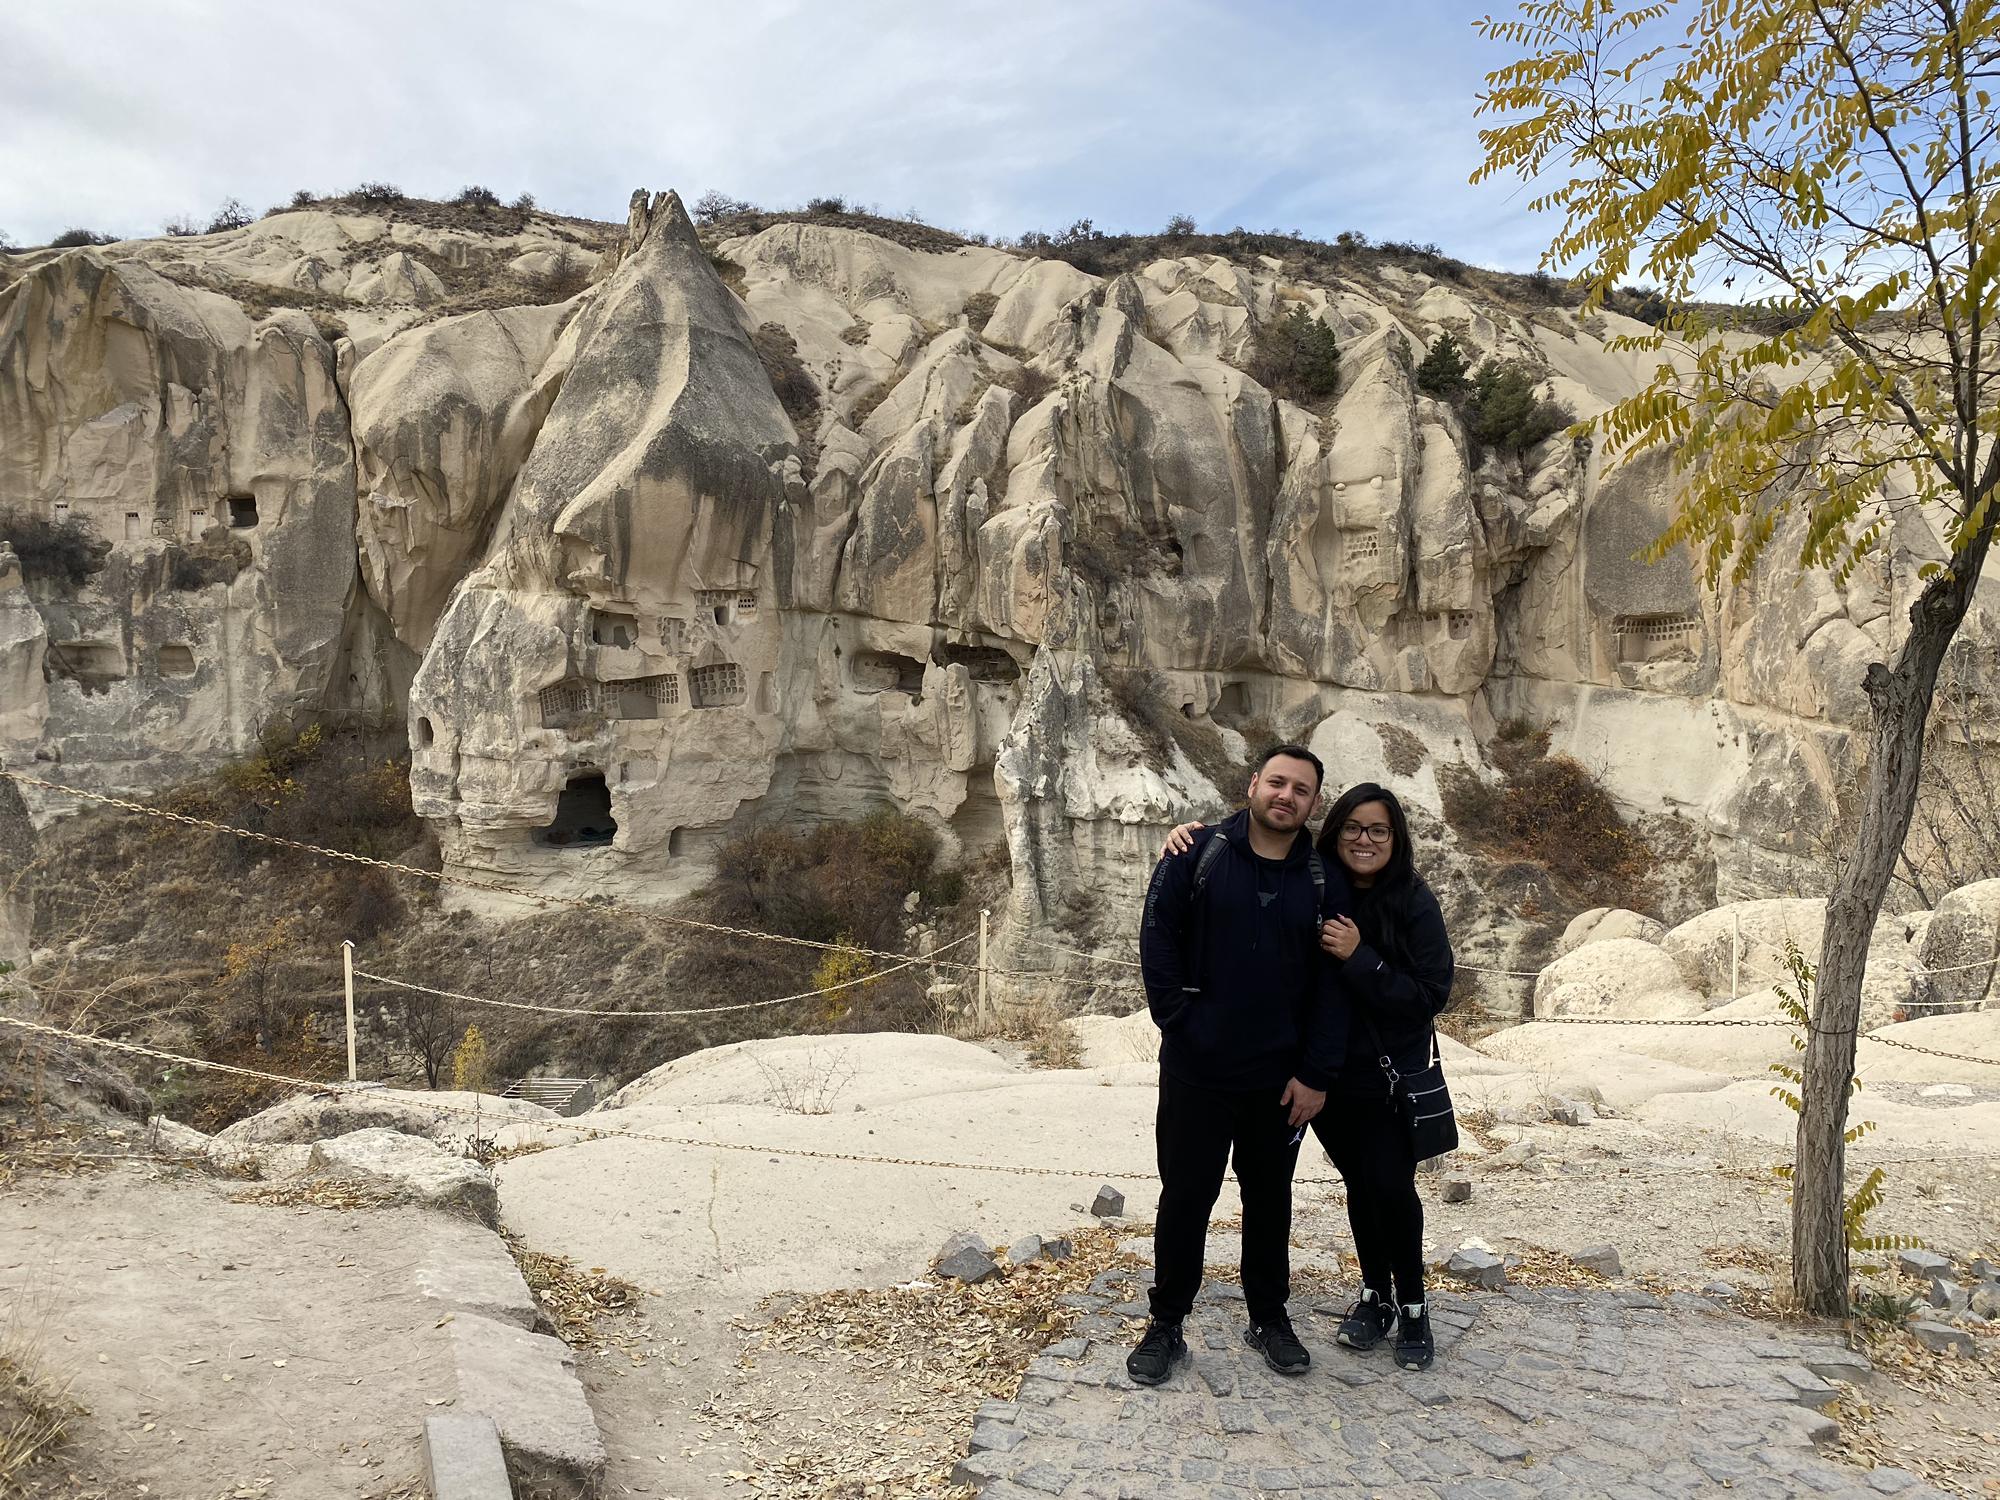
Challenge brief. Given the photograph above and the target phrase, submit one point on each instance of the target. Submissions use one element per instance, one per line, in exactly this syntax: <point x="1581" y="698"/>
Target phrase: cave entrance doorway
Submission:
<point x="583" y="815"/>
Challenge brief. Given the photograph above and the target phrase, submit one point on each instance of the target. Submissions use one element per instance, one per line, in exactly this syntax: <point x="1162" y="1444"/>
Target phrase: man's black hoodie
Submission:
<point x="1237" y="984"/>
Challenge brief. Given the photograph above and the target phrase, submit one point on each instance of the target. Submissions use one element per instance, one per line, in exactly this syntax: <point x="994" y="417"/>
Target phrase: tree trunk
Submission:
<point x="1901" y="700"/>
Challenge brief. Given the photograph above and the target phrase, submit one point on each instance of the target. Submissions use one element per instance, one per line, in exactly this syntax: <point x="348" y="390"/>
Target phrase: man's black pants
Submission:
<point x="1371" y="1147"/>
<point x="1197" y="1130"/>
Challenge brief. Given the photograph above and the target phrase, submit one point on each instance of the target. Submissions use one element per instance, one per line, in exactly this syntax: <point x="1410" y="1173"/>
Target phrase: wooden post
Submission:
<point x="985" y="1017"/>
<point x="347" y="973"/>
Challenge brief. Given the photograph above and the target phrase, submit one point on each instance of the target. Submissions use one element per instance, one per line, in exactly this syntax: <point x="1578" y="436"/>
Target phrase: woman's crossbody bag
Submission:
<point x="1421" y="1101"/>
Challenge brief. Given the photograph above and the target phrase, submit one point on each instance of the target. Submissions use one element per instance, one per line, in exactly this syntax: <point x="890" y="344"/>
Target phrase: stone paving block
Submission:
<point x="462" y="1457"/>
<point x="468" y="1269"/>
<point x="1044" y="1479"/>
<point x="527" y="1384"/>
<point x="992" y="1437"/>
<point x="1835" y="1363"/>
<point x="1238" y="1416"/>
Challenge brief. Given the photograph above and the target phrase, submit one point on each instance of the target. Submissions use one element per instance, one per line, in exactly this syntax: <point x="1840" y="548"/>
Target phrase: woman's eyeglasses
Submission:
<point x="1374" y="833"/>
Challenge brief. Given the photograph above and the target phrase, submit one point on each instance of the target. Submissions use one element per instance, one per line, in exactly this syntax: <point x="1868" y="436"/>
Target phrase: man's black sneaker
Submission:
<point x="1367" y="1323"/>
<point x="1280" y="1347"/>
<point x="1162" y="1347"/>
<point x="1414" y="1346"/>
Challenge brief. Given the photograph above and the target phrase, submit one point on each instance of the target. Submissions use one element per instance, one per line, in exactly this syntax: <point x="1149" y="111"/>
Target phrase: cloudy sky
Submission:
<point x="980" y="115"/>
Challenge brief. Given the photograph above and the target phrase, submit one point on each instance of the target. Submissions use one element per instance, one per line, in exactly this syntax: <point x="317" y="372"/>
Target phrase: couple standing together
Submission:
<point x="1294" y="987"/>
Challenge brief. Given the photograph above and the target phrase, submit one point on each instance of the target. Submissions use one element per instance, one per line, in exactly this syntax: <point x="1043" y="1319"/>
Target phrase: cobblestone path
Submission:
<point x="1595" y="1393"/>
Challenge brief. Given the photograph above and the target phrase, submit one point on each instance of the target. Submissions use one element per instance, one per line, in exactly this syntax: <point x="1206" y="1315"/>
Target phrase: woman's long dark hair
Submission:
<point x="1399" y="882"/>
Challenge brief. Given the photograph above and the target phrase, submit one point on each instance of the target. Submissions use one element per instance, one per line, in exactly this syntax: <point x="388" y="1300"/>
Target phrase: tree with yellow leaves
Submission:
<point x="1833" y="165"/>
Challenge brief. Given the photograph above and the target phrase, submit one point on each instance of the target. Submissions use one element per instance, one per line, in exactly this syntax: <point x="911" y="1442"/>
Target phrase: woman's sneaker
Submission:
<point x="1415" y="1349"/>
<point x="1158" y="1352"/>
<point x="1280" y="1346"/>
<point x="1367" y="1323"/>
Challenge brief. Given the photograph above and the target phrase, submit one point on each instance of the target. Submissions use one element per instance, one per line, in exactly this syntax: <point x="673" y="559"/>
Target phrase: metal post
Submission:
<point x="984" y="913"/>
<point x="1735" y="951"/>
<point x="347" y="973"/>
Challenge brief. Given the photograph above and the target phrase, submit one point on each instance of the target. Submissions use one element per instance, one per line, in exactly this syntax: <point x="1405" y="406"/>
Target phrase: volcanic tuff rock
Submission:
<point x="1021" y="549"/>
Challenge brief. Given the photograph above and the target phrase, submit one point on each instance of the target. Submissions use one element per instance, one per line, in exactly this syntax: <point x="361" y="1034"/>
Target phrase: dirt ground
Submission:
<point x="223" y="1349"/>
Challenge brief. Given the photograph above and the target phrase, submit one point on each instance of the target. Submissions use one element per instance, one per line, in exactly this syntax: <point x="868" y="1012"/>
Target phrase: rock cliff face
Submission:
<point x="1014" y="547"/>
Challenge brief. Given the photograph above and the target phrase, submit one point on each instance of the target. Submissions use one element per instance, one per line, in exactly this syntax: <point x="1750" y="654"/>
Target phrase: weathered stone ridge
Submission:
<point x="632" y="600"/>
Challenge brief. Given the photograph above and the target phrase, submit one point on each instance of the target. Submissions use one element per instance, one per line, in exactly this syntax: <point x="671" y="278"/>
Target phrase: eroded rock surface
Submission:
<point x="1020" y="549"/>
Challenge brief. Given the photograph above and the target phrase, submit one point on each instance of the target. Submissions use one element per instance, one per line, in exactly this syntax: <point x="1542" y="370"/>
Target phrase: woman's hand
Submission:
<point x="1180" y="840"/>
<point x="1339" y="937"/>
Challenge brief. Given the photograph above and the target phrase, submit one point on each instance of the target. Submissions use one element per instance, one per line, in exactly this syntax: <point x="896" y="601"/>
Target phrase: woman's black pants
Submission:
<point x="1372" y="1150"/>
<point x="1198" y="1131"/>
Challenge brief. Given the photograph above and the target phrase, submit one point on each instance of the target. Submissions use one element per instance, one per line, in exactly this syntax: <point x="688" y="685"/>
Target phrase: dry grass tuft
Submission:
<point x="35" y="1409"/>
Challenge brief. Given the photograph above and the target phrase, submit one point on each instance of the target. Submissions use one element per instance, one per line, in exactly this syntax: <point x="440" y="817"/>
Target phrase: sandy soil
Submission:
<point x="225" y="1349"/>
<point x="1678" y="1177"/>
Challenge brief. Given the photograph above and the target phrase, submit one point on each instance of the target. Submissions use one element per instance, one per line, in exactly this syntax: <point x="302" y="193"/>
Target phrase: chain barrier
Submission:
<point x="537" y="898"/>
<point x="702" y="1010"/>
<point x="586" y="1133"/>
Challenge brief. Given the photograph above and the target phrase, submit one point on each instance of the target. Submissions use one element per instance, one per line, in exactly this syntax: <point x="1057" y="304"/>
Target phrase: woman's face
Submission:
<point x="1366" y="840"/>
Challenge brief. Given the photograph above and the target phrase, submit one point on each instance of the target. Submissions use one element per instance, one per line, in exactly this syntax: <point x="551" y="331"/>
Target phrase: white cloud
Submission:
<point x="987" y="116"/>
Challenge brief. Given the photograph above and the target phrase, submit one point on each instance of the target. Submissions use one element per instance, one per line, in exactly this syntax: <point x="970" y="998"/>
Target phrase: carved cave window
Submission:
<point x="717" y="603"/>
<point x="1368" y="544"/>
<point x="608" y="628"/>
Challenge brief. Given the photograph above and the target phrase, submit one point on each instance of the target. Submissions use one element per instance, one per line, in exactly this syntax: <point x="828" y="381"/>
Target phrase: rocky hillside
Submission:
<point x="801" y="519"/>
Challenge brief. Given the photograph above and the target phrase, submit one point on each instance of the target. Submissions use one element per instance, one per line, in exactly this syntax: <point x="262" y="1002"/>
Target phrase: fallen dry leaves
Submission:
<point x="578" y="1301"/>
<point x="928" y="1353"/>
<point x="315" y="1192"/>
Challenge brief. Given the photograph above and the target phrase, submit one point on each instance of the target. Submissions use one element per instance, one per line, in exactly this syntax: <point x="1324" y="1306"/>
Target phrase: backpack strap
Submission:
<point x="1318" y="868"/>
<point x="1205" y="861"/>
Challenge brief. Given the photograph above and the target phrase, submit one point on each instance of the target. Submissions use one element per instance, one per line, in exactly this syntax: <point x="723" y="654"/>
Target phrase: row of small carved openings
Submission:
<point x="239" y="510"/>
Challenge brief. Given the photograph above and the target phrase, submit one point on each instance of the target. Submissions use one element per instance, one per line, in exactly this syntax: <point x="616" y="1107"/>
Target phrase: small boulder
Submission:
<point x="1923" y="1264"/>
<point x="1025" y="1249"/>
<point x="1056" y="1250"/>
<point x="1603" y="923"/>
<point x="171" y="1138"/>
<point x="1948" y="1296"/>
<point x="1942" y="1337"/>
<point x="408" y="1166"/>
<point x="966" y="1257"/>
<point x="1457" y="1190"/>
<point x="1109" y="1203"/>
<point x="1723" y="1289"/>
<point x="1480" y="1267"/>
<point x="1984" y="1300"/>
<point x="1517" y="1155"/>
<point x="1567" y="1112"/>
<point x="1603" y="1259"/>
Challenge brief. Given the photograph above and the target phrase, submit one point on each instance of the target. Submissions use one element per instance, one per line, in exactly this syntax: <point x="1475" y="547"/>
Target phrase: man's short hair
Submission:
<point x="1296" y="752"/>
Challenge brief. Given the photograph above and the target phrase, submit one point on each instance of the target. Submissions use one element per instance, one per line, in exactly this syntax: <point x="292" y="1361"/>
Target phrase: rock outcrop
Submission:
<point x="803" y="522"/>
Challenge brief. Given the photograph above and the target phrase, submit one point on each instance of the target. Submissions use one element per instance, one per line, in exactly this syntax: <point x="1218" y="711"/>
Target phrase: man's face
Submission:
<point x="1283" y="792"/>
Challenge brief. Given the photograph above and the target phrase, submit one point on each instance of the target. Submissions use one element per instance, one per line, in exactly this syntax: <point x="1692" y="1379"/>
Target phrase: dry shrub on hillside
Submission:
<point x="796" y="393"/>
<point x="64" y="553"/>
<point x="1027" y="382"/>
<point x="979" y="309"/>
<point x="1550" y="811"/>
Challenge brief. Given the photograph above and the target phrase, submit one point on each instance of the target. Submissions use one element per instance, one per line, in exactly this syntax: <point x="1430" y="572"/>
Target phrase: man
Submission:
<point x="1251" y="1034"/>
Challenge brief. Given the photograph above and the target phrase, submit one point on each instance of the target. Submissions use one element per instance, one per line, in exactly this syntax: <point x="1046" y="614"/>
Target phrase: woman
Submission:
<point x="1396" y="967"/>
